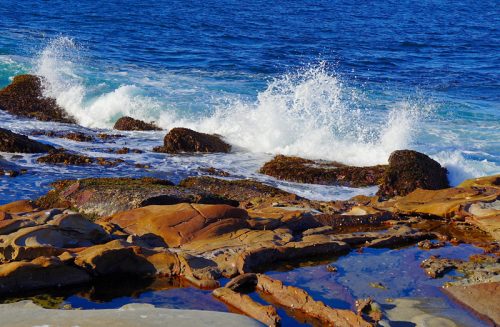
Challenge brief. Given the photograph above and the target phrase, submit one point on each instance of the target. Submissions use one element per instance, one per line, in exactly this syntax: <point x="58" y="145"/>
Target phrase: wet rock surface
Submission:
<point x="24" y="97"/>
<point x="180" y="140"/>
<point x="299" y="170"/>
<point x="131" y="124"/>
<point x="147" y="228"/>
<point x="409" y="170"/>
<point x="73" y="136"/>
<point x="17" y="143"/>
<point x="106" y="196"/>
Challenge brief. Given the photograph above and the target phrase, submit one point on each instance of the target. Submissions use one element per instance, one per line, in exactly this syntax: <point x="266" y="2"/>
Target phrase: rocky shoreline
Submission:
<point x="207" y="229"/>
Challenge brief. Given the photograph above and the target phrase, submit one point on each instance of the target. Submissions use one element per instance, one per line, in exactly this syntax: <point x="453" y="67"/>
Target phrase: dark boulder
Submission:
<point x="24" y="97"/>
<point x="409" y="170"/>
<point x="299" y="170"/>
<point x="131" y="124"/>
<point x="186" y="140"/>
<point x="17" y="143"/>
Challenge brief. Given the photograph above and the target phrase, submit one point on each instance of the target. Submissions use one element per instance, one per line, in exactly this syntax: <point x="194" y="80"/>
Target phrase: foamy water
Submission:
<point x="311" y="112"/>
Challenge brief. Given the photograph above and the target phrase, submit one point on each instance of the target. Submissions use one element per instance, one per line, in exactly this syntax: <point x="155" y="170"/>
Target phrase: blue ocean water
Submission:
<point x="338" y="80"/>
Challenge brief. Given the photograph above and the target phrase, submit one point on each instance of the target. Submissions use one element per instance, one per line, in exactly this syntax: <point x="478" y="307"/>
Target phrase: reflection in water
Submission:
<point x="397" y="269"/>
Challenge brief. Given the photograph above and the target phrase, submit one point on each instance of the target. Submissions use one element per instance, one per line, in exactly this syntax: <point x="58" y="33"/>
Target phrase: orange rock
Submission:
<point x="115" y="257"/>
<point x="42" y="272"/>
<point x="181" y="223"/>
<point x="18" y="207"/>
<point x="481" y="298"/>
<point x="265" y="314"/>
<point x="296" y="298"/>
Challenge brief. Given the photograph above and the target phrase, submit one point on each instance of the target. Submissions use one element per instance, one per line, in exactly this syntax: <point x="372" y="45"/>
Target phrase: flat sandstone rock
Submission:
<point x="26" y="313"/>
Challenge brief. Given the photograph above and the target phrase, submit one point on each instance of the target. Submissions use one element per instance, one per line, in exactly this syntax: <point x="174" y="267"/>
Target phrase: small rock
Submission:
<point x="185" y="140"/>
<point x="131" y="124"/>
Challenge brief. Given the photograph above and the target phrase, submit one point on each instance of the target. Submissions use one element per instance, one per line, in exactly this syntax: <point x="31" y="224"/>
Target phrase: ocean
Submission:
<point x="335" y="80"/>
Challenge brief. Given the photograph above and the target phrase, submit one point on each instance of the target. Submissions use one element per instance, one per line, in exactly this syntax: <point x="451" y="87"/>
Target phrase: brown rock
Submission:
<point x="74" y="136"/>
<point x="181" y="223"/>
<point x="18" y="206"/>
<point x="257" y="259"/>
<point x="409" y="170"/>
<point x="297" y="299"/>
<point x="240" y="190"/>
<point x="214" y="172"/>
<point x="16" y="143"/>
<point x="131" y="124"/>
<point x="60" y="156"/>
<point x="243" y="282"/>
<point x="482" y="298"/>
<point x="115" y="257"/>
<point x="65" y="231"/>
<point x="186" y="140"/>
<point x="24" y="97"/>
<point x="40" y="273"/>
<point x="106" y="196"/>
<point x="301" y="170"/>
<point x="265" y="314"/>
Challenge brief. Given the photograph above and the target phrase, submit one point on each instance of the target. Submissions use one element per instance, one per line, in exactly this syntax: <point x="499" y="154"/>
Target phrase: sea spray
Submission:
<point x="58" y="65"/>
<point x="312" y="112"/>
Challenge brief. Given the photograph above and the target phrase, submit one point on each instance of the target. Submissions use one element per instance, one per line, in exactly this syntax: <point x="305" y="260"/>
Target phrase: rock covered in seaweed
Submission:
<point x="24" y="97"/>
<point x="409" y="170"/>
<point x="299" y="170"/>
<point x="186" y="140"/>
<point x="17" y="143"/>
<point x="130" y="124"/>
<point x="106" y="196"/>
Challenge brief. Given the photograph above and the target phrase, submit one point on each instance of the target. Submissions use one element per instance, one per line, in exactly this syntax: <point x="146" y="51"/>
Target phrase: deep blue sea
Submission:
<point x="341" y="80"/>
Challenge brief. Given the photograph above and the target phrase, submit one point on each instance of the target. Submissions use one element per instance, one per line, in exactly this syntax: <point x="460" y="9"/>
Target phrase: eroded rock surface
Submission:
<point x="24" y="97"/>
<point x="185" y="140"/>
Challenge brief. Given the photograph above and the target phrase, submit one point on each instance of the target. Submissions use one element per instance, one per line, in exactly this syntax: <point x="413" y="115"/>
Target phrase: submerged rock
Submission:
<point x="24" y="97"/>
<point x="299" y="170"/>
<point x="409" y="170"/>
<point x="131" y="124"/>
<point x="481" y="298"/>
<point x="17" y="143"/>
<point x="185" y="140"/>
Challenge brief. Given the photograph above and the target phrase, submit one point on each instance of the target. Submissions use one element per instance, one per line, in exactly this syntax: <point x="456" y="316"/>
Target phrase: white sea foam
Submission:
<point x="310" y="112"/>
<point x="460" y="169"/>
<point x="58" y="64"/>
